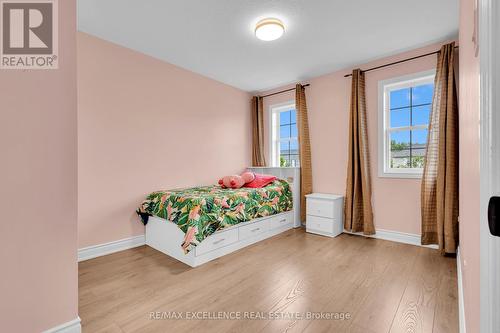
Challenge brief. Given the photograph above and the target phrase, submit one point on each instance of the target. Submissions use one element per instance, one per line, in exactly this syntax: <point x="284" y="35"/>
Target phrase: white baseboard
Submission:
<point x="73" y="326"/>
<point x="395" y="236"/>
<point x="461" y="309"/>
<point x="111" y="247"/>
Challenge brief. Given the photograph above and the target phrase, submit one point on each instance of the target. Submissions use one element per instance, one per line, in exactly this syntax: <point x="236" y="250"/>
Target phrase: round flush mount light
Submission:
<point x="269" y="29"/>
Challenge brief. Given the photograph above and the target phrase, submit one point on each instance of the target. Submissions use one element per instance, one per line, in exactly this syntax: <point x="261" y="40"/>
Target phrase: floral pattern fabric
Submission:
<point x="201" y="211"/>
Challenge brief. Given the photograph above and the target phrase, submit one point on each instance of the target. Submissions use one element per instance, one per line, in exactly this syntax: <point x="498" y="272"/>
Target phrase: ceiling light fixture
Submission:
<point x="269" y="29"/>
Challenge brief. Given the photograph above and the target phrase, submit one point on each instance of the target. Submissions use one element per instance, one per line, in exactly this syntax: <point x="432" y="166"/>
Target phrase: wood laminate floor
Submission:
<point x="383" y="286"/>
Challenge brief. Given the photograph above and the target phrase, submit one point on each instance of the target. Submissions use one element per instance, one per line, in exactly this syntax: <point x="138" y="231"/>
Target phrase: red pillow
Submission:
<point x="260" y="181"/>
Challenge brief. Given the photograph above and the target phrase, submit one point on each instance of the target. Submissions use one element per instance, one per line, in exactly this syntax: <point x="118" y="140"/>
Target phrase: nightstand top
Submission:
<point x="324" y="196"/>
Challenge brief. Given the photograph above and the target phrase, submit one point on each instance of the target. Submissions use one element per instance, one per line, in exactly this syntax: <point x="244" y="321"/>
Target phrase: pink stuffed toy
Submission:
<point x="236" y="181"/>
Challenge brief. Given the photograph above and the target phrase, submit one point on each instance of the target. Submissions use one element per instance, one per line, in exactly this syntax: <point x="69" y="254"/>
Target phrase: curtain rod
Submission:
<point x="398" y="62"/>
<point x="283" y="91"/>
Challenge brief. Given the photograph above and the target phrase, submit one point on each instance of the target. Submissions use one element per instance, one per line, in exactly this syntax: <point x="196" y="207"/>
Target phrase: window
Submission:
<point x="284" y="142"/>
<point x="405" y="107"/>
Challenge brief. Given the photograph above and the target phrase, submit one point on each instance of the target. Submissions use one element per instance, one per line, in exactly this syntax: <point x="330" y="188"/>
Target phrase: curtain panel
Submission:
<point x="304" y="148"/>
<point x="258" y="158"/>
<point x="358" y="216"/>
<point x="439" y="189"/>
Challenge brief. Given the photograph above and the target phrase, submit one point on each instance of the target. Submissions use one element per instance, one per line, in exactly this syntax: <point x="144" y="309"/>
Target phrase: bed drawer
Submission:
<point x="319" y="224"/>
<point x="321" y="208"/>
<point x="280" y="221"/>
<point x="217" y="240"/>
<point x="253" y="229"/>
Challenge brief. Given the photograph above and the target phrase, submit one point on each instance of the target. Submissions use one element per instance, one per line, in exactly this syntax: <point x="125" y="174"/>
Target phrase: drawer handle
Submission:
<point x="254" y="230"/>
<point x="219" y="241"/>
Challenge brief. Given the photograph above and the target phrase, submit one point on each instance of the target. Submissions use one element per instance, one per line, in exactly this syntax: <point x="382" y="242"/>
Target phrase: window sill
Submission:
<point x="400" y="175"/>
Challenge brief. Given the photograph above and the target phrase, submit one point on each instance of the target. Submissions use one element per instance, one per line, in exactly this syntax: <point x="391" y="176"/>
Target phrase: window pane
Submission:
<point x="284" y="131"/>
<point x="293" y="129"/>
<point x="294" y="147"/>
<point x="284" y="117"/>
<point x="418" y="146"/>
<point x="400" y="98"/>
<point x="419" y="138"/>
<point x="400" y="117"/>
<point x="422" y="94"/>
<point x="400" y="149"/>
<point x="284" y="160"/>
<point x="420" y="115"/>
<point x="293" y="116"/>
<point x="294" y="161"/>
<point x="284" y="147"/>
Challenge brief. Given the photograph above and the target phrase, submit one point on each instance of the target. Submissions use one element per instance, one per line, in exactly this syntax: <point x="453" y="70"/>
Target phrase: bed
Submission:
<point x="200" y="224"/>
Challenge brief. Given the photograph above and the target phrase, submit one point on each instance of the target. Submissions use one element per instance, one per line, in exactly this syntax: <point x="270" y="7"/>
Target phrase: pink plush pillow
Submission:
<point x="236" y="181"/>
<point x="261" y="181"/>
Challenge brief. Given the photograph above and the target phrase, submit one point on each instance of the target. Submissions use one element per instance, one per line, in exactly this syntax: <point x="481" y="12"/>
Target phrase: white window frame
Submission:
<point x="274" y="130"/>
<point x="384" y="89"/>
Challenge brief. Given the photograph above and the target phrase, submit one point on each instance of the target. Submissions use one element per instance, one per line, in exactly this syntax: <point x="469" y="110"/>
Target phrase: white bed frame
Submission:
<point x="166" y="236"/>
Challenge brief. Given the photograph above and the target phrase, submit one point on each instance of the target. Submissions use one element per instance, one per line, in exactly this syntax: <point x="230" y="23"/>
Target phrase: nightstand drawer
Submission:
<point x="318" y="207"/>
<point x="319" y="224"/>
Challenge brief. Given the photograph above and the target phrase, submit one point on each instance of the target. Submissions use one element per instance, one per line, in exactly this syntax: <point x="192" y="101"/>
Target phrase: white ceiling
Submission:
<point x="215" y="38"/>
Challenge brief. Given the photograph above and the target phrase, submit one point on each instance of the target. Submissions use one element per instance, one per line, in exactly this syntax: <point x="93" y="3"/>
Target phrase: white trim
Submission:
<point x="273" y="111"/>
<point x="461" y="309"/>
<point x="395" y="236"/>
<point x="73" y="326"/>
<point x="111" y="247"/>
<point x="383" y="121"/>
<point x="489" y="30"/>
<point x="402" y="175"/>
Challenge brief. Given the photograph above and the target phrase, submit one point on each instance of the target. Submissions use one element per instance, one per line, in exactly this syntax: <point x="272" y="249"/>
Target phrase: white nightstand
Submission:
<point x="325" y="214"/>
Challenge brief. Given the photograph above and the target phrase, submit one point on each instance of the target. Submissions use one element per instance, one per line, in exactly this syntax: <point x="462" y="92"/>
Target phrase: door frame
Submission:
<point x="489" y="161"/>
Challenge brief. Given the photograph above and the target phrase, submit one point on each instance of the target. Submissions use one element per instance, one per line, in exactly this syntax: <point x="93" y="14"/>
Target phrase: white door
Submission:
<point x="489" y="29"/>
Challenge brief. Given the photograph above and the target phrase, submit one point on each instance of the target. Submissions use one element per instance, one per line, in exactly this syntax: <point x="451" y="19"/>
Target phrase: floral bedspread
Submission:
<point x="201" y="211"/>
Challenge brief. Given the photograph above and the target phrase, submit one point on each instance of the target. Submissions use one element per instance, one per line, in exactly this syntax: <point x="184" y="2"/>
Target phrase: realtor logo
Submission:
<point x="29" y="34"/>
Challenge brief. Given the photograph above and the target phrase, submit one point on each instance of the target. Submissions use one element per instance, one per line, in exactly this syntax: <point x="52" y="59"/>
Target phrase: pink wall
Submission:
<point x="145" y="125"/>
<point x="469" y="166"/>
<point x="396" y="202"/>
<point x="38" y="233"/>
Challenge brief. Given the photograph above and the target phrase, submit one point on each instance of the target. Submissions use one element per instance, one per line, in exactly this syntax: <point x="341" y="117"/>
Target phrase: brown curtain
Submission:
<point x="304" y="148"/>
<point x="439" y="195"/>
<point x="358" y="214"/>
<point x="258" y="132"/>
